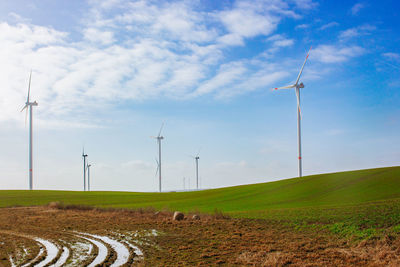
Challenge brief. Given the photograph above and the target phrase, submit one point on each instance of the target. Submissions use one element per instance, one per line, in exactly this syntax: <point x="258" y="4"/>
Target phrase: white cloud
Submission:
<point x="247" y="23"/>
<point x="227" y="74"/>
<point x="302" y="26"/>
<point x="356" y="8"/>
<point x="336" y="54"/>
<point x="97" y="36"/>
<point x="356" y="32"/>
<point x="133" y="50"/>
<point x="305" y="4"/>
<point x="392" y="56"/>
<point x="328" y="25"/>
<point x="280" y="41"/>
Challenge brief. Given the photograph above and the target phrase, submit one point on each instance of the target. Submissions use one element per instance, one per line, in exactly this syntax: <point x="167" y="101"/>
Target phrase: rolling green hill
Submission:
<point x="364" y="203"/>
<point x="334" y="189"/>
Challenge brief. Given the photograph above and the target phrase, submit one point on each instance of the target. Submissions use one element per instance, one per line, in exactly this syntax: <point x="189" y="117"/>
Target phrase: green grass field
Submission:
<point x="362" y="203"/>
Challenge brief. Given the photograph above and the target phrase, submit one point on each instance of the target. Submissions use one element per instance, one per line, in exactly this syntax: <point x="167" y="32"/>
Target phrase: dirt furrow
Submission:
<point x="63" y="258"/>
<point x="119" y="248"/>
<point x="51" y="249"/>
<point x="102" y="251"/>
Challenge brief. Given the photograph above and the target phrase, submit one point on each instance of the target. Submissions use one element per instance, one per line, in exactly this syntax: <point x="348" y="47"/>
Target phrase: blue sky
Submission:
<point x="106" y="74"/>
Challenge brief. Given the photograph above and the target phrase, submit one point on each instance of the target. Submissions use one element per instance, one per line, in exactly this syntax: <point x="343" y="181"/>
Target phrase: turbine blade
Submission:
<point x="301" y="70"/>
<point x="158" y="166"/>
<point x="25" y="107"/>
<point x="298" y="100"/>
<point x="29" y="87"/>
<point x="284" y="87"/>
<point x="198" y="152"/>
<point x="159" y="133"/>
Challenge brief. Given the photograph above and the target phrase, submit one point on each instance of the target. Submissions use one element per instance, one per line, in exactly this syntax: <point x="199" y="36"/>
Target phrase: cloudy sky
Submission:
<point x="106" y="74"/>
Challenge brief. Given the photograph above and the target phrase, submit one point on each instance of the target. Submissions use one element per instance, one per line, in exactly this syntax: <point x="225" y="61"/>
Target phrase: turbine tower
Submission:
<point x="88" y="175"/>
<point x="84" y="169"/>
<point x="29" y="105"/>
<point x="159" y="138"/>
<point x="196" y="158"/>
<point x="297" y="86"/>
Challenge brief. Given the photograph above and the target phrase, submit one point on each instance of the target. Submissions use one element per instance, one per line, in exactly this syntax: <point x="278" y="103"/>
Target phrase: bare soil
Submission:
<point x="210" y="241"/>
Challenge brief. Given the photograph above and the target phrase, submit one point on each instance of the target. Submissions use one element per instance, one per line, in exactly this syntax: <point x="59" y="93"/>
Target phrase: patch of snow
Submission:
<point x="51" y="249"/>
<point x="37" y="256"/>
<point x="137" y="250"/>
<point x="81" y="251"/>
<point x="63" y="258"/>
<point x="12" y="262"/>
<point x="120" y="249"/>
<point x="103" y="251"/>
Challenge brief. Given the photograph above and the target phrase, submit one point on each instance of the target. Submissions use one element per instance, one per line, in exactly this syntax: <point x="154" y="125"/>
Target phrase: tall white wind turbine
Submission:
<point x="297" y="86"/>
<point x="159" y="138"/>
<point x="84" y="168"/>
<point x="196" y="158"/>
<point x="88" y="175"/>
<point x="29" y="105"/>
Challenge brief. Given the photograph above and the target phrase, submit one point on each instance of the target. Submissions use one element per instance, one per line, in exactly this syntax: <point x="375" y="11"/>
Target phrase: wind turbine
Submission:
<point x="159" y="138"/>
<point x="297" y="86"/>
<point x="29" y="105"/>
<point x="196" y="158"/>
<point x="88" y="175"/>
<point x="84" y="169"/>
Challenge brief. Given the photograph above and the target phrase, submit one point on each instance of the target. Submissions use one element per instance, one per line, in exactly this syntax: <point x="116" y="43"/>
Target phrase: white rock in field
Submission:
<point x="178" y="216"/>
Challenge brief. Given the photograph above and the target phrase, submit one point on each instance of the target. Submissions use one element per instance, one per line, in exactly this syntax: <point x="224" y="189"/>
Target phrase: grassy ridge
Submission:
<point x="335" y="189"/>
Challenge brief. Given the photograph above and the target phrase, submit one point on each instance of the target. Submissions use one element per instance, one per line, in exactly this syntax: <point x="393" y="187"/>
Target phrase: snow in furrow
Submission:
<point x="37" y="256"/>
<point x="81" y="252"/>
<point x="120" y="249"/>
<point x="137" y="250"/>
<point x="63" y="258"/>
<point x="12" y="262"/>
<point x="102" y="254"/>
<point x="51" y="249"/>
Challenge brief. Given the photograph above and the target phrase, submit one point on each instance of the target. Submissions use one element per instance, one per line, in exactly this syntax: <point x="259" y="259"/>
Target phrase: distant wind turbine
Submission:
<point x="159" y="138"/>
<point x="297" y="87"/>
<point x="29" y="105"/>
<point x="196" y="158"/>
<point x="84" y="169"/>
<point x="88" y="175"/>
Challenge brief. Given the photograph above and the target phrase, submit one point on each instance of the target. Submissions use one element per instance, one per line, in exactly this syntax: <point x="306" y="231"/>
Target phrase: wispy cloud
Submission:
<point x="357" y="31"/>
<point x="337" y="54"/>
<point x="356" y="8"/>
<point x="305" y="4"/>
<point x="279" y="40"/>
<point x="328" y="25"/>
<point x="392" y="56"/>
<point x="302" y="26"/>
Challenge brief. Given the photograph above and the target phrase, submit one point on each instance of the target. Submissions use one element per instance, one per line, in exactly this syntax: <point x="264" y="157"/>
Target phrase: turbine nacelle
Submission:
<point x="301" y="85"/>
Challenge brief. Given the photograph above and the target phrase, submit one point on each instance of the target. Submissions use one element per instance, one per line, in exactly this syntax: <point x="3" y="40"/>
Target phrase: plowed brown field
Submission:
<point x="212" y="240"/>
